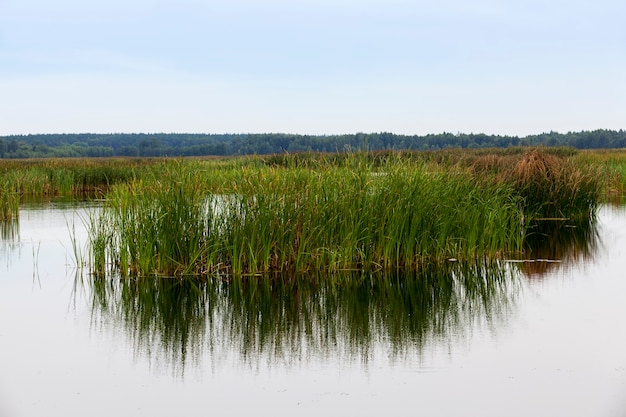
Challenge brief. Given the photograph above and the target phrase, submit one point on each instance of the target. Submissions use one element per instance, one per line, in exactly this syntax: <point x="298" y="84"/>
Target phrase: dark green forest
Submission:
<point x="182" y="144"/>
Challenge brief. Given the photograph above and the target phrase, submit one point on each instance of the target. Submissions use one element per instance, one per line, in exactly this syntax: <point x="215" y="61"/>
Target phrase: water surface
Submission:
<point x="542" y="338"/>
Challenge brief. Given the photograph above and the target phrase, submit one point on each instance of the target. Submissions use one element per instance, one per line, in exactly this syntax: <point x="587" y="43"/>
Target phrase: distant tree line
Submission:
<point x="182" y="144"/>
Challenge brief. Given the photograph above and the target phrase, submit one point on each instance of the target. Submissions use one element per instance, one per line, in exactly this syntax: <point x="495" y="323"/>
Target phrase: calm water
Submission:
<point x="517" y="339"/>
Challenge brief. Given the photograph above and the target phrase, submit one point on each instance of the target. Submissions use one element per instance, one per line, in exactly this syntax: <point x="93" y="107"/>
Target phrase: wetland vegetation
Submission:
<point x="312" y="212"/>
<point x="402" y="271"/>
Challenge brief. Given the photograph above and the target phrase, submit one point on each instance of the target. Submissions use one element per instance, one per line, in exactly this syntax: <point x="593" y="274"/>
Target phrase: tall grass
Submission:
<point x="610" y="168"/>
<point x="402" y="216"/>
<point x="553" y="187"/>
<point x="71" y="177"/>
<point x="9" y="199"/>
<point x="304" y="212"/>
<point x="76" y="178"/>
<point x="152" y="227"/>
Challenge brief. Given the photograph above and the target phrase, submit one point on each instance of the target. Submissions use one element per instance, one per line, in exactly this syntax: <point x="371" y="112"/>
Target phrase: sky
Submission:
<point x="507" y="67"/>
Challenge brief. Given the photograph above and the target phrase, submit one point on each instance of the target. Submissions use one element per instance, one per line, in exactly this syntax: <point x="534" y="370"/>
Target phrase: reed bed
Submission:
<point x="77" y="178"/>
<point x="9" y="200"/>
<point x="323" y="212"/>
<point x="71" y="177"/>
<point x="402" y="216"/>
<point x="331" y="213"/>
<point x="610" y="168"/>
<point x="554" y="187"/>
<point x="553" y="182"/>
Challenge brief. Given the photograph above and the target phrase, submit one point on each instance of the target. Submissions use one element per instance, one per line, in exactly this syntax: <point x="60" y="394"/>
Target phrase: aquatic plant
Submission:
<point x="299" y="219"/>
<point x="303" y="212"/>
<point x="553" y="187"/>
<point x="71" y="177"/>
<point x="9" y="200"/>
<point x="156" y="227"/>
<point x="610" y="169"/>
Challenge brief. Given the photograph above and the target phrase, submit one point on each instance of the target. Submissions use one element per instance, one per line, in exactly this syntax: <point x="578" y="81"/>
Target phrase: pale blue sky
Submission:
<point x="341" y="66"/>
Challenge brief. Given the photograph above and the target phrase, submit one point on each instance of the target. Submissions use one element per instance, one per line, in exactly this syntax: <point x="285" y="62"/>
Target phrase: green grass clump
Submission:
<point x="317" y="212"/>
<point x="72" y="177"/>
<point x="152" y="227"/>
<point x="9" y="200"/>
<point x="400" y="216"/>
<point x="610" y="169"/>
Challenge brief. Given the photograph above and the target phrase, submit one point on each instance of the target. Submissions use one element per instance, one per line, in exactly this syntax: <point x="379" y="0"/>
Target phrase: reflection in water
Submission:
<point x="259" y="320"/>
<point x="557" y="244"/>
<point x="9" y="238"/>
<point x="9" y="230"/>
<point x="350" y="317"/>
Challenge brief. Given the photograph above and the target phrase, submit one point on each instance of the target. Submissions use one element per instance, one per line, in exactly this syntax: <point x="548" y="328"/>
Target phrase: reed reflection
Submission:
<point x="263" y="321"/>
<point x="559" y="244"/>
<point x="9" y="239"/>
<point x="9" y="230"/>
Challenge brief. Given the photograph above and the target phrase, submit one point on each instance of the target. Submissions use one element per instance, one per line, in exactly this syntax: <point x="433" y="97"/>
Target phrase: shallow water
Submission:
<point x="542" y="339"/>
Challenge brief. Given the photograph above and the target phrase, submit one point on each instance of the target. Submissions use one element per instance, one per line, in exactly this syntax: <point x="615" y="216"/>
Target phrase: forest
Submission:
<point x="187" y="144"/>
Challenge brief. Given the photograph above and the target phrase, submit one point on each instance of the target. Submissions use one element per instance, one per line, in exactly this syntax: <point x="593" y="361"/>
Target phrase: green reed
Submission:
<point x="610" y="170"/>
<point x="400" y="216"/>
<point x="9" y="200"/>
<point x="72" y="177"/>
<point x="552" y="182"/>
<point x="152" y="227"/>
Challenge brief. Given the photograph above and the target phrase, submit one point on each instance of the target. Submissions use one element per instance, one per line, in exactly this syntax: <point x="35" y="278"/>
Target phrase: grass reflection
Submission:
<point x="559" y="243"/>
<point x="278" y="320"/>
<point x="9" y="230"/>
<point x="160" y="316"/>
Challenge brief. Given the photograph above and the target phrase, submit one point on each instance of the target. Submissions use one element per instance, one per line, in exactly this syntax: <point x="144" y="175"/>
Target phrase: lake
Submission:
<point x="542" y="337"/>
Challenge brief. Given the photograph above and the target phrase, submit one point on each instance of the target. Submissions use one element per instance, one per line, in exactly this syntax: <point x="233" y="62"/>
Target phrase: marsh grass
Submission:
<point x="401" y="216"/>
<point x="313" y="212"/>
<point x="553" y="187"/>
<point x="9" y="200"/>
<point x="610" y="169"/>
<point x="556" y="182"/>
<point x="156" y="227"/>
<point x="72" y="177"/>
